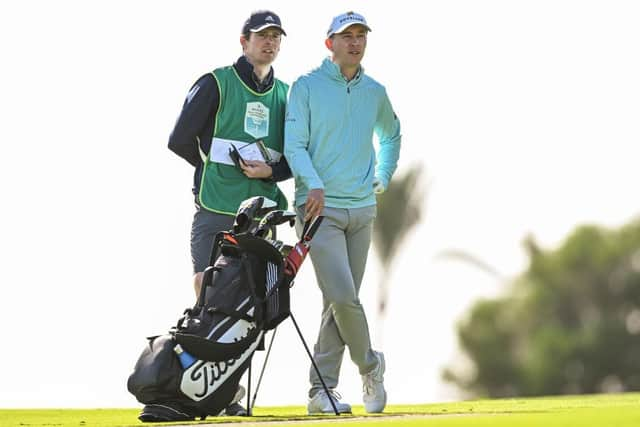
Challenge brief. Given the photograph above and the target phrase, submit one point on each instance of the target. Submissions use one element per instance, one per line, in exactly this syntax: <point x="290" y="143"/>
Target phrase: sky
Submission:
<point x="524" y="116"/>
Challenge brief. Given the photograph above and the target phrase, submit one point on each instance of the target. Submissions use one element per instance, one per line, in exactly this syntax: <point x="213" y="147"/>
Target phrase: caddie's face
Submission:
<point x="262" y="47"/>
<point x="348" y="46"/>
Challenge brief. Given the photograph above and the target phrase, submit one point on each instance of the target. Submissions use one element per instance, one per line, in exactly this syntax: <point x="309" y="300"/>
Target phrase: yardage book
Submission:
<point x="221" y="150"/>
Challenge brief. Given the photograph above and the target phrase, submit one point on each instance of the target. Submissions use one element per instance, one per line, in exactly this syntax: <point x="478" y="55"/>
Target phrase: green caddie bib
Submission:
<point x="244" y="116"/>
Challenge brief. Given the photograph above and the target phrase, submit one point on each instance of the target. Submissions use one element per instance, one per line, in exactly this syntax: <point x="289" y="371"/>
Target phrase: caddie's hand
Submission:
<point x="378" y="186"/>
<point x="315" y="204"/>
<point x="256" y="169"/>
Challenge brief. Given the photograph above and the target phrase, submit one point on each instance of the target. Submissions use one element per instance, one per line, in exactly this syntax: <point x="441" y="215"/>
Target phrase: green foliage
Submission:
<point x="569" y="324"/>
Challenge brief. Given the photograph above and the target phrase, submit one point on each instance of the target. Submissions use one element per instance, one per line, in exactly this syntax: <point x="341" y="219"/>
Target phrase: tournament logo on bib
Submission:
<point x="256" y="120"/>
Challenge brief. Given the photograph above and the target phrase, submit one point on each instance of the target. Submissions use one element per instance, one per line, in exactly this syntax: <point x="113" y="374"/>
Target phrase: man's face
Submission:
<point x="348" y="46"/>
<point x="262" y="48"/>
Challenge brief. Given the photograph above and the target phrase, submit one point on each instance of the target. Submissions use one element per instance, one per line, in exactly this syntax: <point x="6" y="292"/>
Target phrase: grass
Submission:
<point x="611" y="410"/>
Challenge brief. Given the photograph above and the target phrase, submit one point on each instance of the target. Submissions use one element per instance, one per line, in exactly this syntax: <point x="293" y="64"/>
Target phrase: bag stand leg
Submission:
<point x="249" y="406"/>
<point x="264" y="365"/>
<point x="313" y="362"/>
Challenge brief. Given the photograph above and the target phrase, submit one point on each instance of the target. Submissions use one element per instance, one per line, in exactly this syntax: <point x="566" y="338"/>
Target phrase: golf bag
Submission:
<point x="195" y="369"/>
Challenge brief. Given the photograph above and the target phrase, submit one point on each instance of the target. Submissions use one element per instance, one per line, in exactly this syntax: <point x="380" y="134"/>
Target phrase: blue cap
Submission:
<point x="260" y="20"/>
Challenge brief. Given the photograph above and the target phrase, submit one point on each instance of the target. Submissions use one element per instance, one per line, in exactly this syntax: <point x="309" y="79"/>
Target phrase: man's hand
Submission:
<point x="256" y="169"/>
<point x="378" y="186"/>
<point x="315" y="204"/>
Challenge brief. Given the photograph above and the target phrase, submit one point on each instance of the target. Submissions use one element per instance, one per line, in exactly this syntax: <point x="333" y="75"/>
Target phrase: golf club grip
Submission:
<point x="310" y="228"/>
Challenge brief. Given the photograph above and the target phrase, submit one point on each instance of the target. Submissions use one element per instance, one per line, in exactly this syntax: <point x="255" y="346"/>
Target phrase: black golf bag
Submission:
<point x="195" y="369"/>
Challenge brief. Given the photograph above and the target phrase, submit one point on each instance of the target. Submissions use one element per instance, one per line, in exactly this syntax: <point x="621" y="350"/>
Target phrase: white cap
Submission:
<point x="341" y="22"/>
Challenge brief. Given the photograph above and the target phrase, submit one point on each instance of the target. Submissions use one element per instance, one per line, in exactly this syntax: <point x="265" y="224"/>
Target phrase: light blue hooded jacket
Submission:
<point x="328" y="140"/>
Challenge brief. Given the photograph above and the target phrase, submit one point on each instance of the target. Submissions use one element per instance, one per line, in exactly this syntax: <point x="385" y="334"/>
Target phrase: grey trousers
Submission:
<point x="205" y="226"/>
<point x="338" y="253"/>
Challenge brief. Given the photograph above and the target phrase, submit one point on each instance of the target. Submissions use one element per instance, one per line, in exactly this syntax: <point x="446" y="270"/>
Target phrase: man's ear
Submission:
<point x="243" y="42"/>
<point x="329" y="44"/>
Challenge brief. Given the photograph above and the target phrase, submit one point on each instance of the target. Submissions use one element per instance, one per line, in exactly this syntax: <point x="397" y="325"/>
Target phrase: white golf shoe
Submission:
<point x="320" y="403"/>
<point x="373" y="392"/>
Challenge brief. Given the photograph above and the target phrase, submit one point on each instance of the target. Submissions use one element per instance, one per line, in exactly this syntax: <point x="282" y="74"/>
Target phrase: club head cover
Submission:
<point x="246" y="212"/>
<point x="295" y="258"/>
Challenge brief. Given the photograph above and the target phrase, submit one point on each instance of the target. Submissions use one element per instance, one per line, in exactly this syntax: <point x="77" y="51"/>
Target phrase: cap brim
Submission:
<point x="257" y="30"/>
<point x="347" y="25"/>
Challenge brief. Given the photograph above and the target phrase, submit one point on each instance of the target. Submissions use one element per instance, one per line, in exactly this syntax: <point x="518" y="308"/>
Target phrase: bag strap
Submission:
<point x="251" y="283"/>
<point x="231" y="313"/>
<point x="214" y="351"/>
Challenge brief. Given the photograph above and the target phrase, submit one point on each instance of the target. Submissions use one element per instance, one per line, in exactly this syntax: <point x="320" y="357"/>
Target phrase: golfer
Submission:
<point x="332" y="115"/>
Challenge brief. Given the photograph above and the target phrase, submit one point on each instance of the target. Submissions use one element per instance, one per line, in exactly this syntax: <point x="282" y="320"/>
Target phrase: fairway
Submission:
<point x="620" y="410"/>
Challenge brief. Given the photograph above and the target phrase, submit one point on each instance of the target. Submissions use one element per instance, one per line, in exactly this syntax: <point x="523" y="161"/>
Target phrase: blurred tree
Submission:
<point x="399" y="208"/>
<point x="569" y="324"/>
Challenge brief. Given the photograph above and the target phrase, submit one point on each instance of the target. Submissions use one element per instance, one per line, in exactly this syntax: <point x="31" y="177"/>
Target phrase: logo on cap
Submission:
<point x="351" y="17"/>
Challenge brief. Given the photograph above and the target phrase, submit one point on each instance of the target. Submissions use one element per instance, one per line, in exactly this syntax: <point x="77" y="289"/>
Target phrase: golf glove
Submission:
<point x="378" y="186"/>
